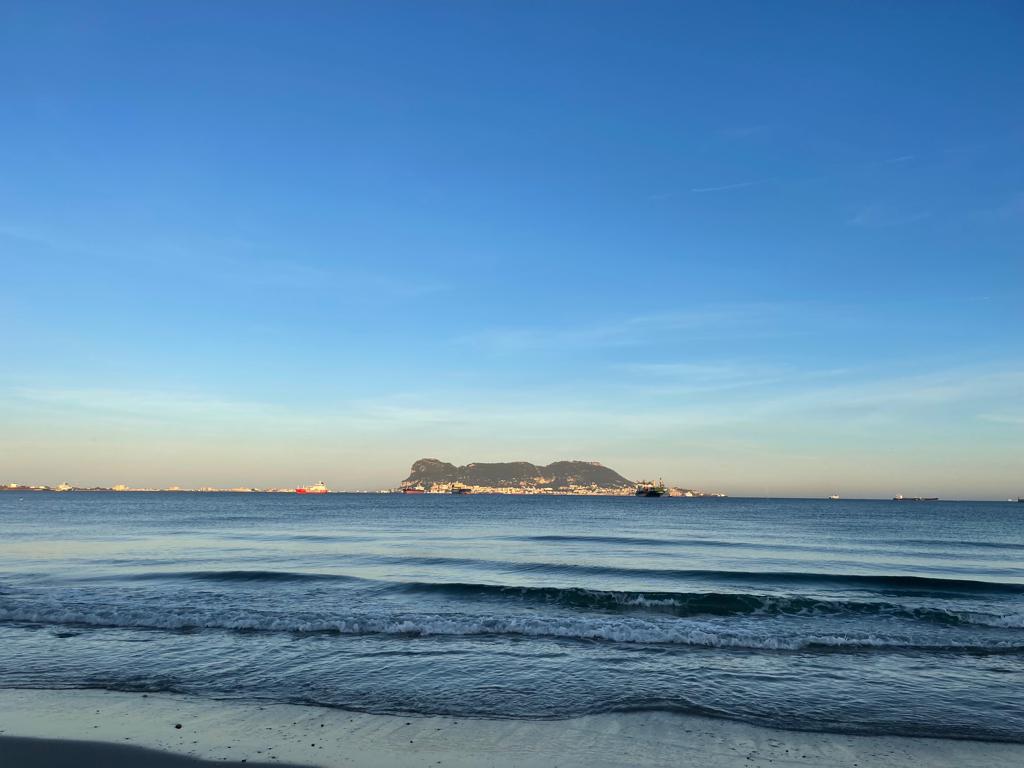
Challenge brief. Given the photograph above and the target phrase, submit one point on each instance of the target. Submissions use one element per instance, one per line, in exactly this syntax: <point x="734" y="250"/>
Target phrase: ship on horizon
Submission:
<point x="414" y="489"/>
<point x="320" y="487"/>
<point x="649" y="489"/>
<point x="901" y="497"/>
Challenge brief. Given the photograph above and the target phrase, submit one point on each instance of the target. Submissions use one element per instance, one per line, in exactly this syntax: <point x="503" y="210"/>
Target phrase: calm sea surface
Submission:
<point x="855" y="616"/>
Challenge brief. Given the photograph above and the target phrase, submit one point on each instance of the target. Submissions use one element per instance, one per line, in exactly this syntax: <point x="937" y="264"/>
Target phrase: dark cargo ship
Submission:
<point x="646" y="488"/>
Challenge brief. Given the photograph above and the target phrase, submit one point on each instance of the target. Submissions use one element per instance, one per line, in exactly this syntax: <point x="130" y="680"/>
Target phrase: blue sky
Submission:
<point x="767" y="248"/>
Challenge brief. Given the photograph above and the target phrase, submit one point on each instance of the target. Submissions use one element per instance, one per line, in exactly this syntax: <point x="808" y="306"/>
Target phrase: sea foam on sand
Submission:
<point x="314" y="736"/>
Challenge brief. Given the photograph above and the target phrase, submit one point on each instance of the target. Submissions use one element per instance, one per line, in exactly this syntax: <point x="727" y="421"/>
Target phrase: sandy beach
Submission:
<point x="74" y="727"/>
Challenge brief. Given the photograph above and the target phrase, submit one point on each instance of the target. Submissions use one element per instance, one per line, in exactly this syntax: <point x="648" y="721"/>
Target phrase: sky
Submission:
<point x="763" y="248"/>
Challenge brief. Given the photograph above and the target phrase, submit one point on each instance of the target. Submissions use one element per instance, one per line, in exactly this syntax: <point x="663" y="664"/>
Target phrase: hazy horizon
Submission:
<point x="947" y="491"/>
<point x="763" y="249"/>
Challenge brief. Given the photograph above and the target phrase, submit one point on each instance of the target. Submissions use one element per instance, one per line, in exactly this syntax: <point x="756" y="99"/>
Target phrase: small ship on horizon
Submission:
<point x="320" y="487"/>
<point x="901" y="497"/>
<point x="649" y="489"/>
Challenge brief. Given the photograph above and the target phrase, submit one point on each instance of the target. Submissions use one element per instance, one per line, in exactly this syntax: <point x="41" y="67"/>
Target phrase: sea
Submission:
<point x="872" y="617"/>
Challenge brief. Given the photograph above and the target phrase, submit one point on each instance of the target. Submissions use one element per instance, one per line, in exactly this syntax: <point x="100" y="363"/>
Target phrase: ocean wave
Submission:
<point x="684" y="604"/>
<point x="680" y="604"/>
<point x="670" y="542"/>
<point x="964" y="544"/>
<point x="907" y="546"/>
<point x="638" y="540"/>
<point x="611" y="629"/>
<point x="885" y="583"/>
<point x="893" y="583"/>
<point x="234" y="576"/>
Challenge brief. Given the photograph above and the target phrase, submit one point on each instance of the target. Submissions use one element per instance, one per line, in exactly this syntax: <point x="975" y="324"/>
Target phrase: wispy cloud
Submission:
<point x="691" y="379"/>
<point x="898" y="395"/>
<point x="1011" y="210"/>
<point x="37" y="237"/>
<point x="1012" y="419"/>
<point x="878" y="215"/>
<point x="17" y="233"/>
<point x="400" y="411"/>
<point x="147" y="406"/>
<point x="630" y="331"/>
<point x="727" y="187"/>
<point x="721" y="396"/>
<point x="312" y="275"/>
<point x="711" y="404"/>
<point x="516" y="339"/>
<point x="236" y="261"/>
<point x="697" y="371"/>
<point x="900" y="159"/>
<point x="168" y="409"/>
<point x="743" y="131"/>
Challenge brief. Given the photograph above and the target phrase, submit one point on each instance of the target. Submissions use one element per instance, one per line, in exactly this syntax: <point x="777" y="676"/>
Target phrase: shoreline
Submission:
<point x="68" y="724"/>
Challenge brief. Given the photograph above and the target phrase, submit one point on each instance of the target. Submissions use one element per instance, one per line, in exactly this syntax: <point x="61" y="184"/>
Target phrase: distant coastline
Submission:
<point x="64" y="488"/>
<point x="671" y="491"/>
<point x="431" y="476"/>
<point x="522" y="478"/>
<point x="437" y="490"/>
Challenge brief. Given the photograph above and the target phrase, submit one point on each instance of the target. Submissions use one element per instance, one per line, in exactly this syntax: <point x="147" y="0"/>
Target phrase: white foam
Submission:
<point x="612" y="629"/>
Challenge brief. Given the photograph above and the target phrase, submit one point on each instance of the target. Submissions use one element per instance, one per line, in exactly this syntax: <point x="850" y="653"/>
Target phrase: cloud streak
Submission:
<point x="632" y="331"/>
<point x="727" y="187"/>
<point x="877" y="216"/>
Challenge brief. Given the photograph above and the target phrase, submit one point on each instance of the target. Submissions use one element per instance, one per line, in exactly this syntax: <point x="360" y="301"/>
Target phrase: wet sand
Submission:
<point x="54" y="729"/>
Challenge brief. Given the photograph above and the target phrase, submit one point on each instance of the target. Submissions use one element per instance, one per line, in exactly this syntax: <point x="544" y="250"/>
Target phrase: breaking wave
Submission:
<point x="685" y="604"/>
<point x="616" y="629"/>
<point x="886" y="583"/>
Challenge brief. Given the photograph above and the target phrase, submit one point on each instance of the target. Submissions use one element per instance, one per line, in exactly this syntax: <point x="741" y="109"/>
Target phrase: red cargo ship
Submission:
<point x="320" y="487"/>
